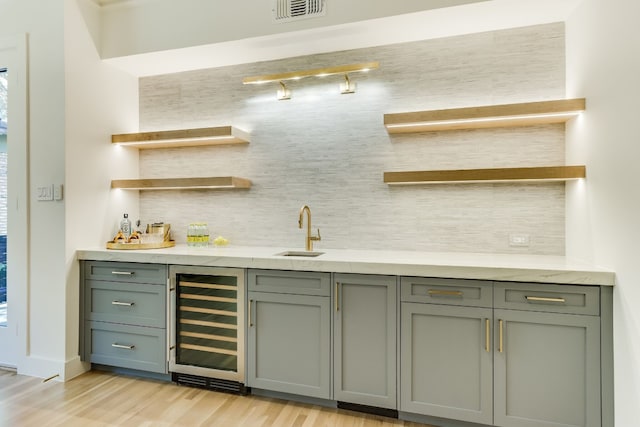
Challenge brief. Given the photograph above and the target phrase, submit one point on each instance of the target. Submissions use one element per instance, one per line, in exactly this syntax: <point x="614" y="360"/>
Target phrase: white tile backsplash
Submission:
<point x="329" y="150"/>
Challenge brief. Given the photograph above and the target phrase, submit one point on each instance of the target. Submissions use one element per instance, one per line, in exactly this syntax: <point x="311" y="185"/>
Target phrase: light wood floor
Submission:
<point x="104" y="399"/>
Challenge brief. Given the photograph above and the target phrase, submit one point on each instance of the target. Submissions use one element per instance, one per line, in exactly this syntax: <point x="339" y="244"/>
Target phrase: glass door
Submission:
<point x="4" y="91"/>
<point x="14" y="198"/>
<point x="207" y="322"/>
<point x="7" y="339"/>
<point x="207" y="327"/>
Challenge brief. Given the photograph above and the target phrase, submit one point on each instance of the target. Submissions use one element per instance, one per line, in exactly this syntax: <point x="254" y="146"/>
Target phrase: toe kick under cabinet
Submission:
<point x="124" y="315"/>
<point x="504" y="354"/>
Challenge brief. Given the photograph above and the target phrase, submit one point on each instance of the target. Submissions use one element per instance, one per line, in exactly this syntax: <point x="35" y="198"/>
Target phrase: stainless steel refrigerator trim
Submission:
<point x="239" y="375"/>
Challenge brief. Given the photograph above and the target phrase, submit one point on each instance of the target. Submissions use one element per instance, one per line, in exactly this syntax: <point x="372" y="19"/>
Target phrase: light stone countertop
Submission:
<point x="501" y="267"/>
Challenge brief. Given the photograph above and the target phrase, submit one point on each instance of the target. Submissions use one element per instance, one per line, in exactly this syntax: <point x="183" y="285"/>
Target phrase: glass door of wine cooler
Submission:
<point x="207" y="327"/>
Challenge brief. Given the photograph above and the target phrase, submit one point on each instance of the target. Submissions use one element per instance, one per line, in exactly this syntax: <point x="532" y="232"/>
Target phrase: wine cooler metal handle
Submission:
<point x="123" y="273"/>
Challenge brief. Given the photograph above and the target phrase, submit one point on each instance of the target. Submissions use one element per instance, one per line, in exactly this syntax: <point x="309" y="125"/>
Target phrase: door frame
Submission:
<point x="13" y="56"/>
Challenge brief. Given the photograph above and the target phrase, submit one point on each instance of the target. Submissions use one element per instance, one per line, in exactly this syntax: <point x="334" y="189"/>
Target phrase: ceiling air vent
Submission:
<point x="292" y="10"/>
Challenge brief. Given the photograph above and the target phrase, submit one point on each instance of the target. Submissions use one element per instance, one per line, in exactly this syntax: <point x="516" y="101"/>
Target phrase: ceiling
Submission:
<point x="465" y="19"/>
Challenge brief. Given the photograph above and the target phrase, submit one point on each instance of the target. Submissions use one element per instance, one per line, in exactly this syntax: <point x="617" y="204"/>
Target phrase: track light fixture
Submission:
<point x="284" y="93"/>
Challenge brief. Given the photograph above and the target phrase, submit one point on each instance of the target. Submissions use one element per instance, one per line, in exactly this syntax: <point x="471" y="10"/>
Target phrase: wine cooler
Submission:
<point x="207" y="343"/>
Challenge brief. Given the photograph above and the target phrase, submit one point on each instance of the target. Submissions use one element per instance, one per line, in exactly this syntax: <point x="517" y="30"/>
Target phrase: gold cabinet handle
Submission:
<point x="501" y="339"/>
<point x="337" y="296"/>
<point x="487" y="335"/>
<point x="125" y="347"/>
<point x="545" y="299"/>
<point x="123" y="273"/>
<point x="126" y="304"/>
<point x="442" y="293"/>
<point x="250" y="319"/>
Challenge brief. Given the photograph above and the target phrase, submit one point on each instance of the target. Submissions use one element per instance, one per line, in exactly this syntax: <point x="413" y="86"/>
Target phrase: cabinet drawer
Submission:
<point x="569" y="299"/>
<point x="290" y="282"/>
<point x="126" y="272"/>
<point x="124" y="346"/>
<point x="138" y="304"/>
<point x="470" y="293"/>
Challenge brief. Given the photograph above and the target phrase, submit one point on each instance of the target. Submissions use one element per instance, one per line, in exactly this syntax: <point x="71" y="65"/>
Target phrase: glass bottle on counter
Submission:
<point x="125" y="226"/>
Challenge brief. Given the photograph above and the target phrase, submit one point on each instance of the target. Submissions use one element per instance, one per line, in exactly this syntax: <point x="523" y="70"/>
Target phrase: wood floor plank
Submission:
<point x="101" y="399"/>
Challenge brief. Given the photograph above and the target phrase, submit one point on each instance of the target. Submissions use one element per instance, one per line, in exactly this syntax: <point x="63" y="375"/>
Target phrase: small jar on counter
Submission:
<point x="198" y="235"/>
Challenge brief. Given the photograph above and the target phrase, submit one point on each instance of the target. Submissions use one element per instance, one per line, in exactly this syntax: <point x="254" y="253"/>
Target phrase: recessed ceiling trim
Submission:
<point x="446" y="22"/>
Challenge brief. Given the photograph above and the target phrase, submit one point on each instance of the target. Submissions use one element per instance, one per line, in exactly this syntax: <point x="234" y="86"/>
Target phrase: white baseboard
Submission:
<point x="55" y="370"/>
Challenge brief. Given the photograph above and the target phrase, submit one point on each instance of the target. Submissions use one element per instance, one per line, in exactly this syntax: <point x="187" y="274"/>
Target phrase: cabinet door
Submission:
<point x="365" y="340"/>
<point x="289" y="343"/>
<point x="547" y="370"/>
<point x="446" y="368"/>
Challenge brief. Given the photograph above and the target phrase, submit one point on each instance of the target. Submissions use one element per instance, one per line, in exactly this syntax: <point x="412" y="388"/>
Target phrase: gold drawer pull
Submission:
<point x="487" y="335"/>
<point x="126" y="304"/>
<point x="125" y="347"/>
<point x="545" y="299"/>
<point x="501" y="336"/>
<point x="250" y="321"/>
<point x="439" y="292"/>
<point x="123" y="273"/>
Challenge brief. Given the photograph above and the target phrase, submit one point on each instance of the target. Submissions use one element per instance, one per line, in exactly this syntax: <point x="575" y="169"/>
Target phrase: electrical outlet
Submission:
<point x="44" y="193"/>
<point x="519" y="240"/>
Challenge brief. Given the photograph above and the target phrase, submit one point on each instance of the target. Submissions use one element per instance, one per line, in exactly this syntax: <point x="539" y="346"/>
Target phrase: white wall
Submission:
<point x="603" y="65"/>
<point x="99" y="100"/>
<point x="44" y="313"/>
<point x="329" y="150"/>
<point x="74" y="103"/>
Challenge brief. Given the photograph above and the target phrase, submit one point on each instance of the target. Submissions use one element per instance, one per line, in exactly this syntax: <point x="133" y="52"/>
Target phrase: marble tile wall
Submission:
<point x="329" y="150"/>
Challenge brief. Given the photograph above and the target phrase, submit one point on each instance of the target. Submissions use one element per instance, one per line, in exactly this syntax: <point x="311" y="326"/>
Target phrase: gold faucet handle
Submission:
<point x="316" y="238"/>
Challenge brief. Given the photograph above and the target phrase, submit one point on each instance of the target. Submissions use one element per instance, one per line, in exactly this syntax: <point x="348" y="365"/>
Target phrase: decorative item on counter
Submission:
<point x="125" y="226"/>
<point x="160" y="228"/>
<point x="119" y="238"/>
<point x="134" y="238"/>
<point x="220" y="241"/>
<point x="157" y="236"/>
<point x="198" y="235"/>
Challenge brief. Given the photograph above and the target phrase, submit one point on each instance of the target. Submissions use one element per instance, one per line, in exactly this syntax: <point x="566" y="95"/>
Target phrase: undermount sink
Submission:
<point x="308" y="254"/>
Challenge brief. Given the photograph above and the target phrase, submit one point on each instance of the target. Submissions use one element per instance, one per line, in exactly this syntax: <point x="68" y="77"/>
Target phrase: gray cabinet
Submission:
<point x="123" y="311"/>
<point x="446" y="349"/>
<point x="289" y="332"/>
<point x="507" y="354"/>
<point x="365" y="340"/>
<point x="547" y="362"/>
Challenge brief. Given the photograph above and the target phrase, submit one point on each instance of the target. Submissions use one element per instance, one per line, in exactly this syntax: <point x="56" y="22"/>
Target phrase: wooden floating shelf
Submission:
<point x="491" y="116"/>
<point x="213" y="183"/>
<point x="532" y="174"/>
<point x="222" y="135"/>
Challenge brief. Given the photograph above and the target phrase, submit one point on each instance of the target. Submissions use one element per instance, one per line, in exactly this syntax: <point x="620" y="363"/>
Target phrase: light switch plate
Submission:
<point x="44" y="193"/>
<point x="57" y="191"/>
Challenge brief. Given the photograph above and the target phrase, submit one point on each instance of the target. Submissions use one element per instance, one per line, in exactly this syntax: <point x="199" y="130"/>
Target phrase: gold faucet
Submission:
<point x="310" y="238"/>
